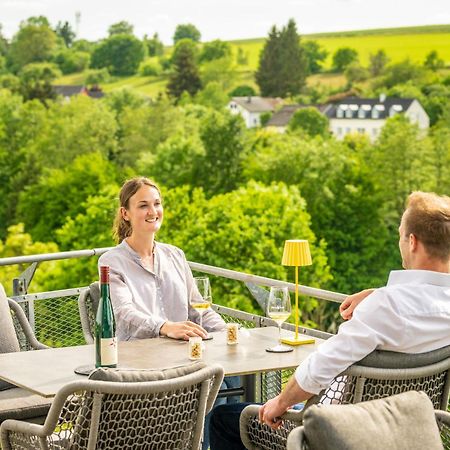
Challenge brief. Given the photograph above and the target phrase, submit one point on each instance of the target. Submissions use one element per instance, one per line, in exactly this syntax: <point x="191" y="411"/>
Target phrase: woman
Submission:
<point x="150" y="281"/>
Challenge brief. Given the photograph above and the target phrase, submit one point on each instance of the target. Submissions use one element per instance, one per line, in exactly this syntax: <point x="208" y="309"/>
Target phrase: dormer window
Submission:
<point x="348" y="113"/>
<point x="339" y="112"/>
<point x="394" y="109"/>
<point x="376" y="111"/>
<point x="361" y="113"/>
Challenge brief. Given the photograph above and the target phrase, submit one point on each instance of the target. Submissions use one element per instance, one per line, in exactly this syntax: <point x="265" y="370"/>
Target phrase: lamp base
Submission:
<point x="301" y="340"/>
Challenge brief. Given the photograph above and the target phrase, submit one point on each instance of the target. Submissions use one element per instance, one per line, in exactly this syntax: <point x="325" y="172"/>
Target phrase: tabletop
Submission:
<point x="45" y="371"/>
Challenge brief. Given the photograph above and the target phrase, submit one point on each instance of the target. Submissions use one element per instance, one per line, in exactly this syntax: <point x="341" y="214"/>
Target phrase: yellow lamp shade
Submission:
<point x="296" y="253"/>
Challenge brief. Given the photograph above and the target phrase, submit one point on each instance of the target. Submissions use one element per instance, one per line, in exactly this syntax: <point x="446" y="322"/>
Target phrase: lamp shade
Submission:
<point x="296" y="253"/>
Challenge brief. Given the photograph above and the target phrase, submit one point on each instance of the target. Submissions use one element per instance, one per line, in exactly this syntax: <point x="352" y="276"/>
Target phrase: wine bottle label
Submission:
<point x="108" y="351"/>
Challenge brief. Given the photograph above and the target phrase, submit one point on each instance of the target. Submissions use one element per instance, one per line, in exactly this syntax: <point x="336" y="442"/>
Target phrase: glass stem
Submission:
<point x="201" y="318"/>
<point x="279" y="333"/>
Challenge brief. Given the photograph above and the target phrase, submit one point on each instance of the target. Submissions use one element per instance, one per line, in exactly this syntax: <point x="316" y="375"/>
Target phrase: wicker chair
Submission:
<point x="379" y="375"/>
<point x="87" y="307"/>
<point x="166" y="413"/>
<point x="403" y="421"/>
<point x="16" y="335"/>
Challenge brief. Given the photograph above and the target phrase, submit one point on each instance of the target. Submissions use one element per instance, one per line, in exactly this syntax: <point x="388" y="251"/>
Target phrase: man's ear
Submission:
<point x="413" y="242"/>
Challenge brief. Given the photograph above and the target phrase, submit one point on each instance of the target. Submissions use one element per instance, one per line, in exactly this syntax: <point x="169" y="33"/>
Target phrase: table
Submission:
<point x="44" y="372"/>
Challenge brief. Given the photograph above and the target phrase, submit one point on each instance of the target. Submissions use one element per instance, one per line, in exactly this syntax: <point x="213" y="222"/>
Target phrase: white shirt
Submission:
<point x="411" y="315"/>
<point x="143" y="299"/>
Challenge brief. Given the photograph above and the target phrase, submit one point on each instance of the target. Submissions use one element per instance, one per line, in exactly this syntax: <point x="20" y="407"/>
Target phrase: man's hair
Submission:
<point x="428" y="218"/>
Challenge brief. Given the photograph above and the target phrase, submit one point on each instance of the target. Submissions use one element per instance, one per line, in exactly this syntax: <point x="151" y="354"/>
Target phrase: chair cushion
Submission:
<point x="20" y="404"/>
<point x="139" y="375"/>
<point x="8" y="338"/>
<point x="399" y="422"/>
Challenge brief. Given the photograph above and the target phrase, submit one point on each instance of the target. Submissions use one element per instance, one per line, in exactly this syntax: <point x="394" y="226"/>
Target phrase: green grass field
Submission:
<point x="399" y="43"/>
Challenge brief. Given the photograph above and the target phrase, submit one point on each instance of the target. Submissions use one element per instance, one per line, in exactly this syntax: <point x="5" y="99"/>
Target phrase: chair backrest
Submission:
<point x="87" y="307"/>
<point x="385" y="373"/>
<point x="405" y="421"/>
<point x="168" y="413"/>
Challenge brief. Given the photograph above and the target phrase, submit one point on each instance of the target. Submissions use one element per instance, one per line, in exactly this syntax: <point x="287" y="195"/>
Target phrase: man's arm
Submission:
<point x="271" y="411"/>
<point x="351" y="302"/>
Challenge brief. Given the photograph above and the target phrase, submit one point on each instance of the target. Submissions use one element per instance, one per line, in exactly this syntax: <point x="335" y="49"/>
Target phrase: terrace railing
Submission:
<point x="55" y="318"/>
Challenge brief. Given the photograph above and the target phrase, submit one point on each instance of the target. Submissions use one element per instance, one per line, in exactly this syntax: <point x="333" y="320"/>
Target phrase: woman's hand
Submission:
<point x="182" y="330"/>
<point x="351" y="302"/>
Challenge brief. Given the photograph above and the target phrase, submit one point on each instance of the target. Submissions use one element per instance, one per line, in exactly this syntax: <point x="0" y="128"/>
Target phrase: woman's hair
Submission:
<point x="428" y="218"/>
<point x="122" y="227"/>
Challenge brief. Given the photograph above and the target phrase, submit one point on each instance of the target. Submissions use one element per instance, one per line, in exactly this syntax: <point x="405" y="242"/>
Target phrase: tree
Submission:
<point x="242" y="91"/>
<point x="36" y="80"/>
<point x="212" y="96"/>
<point x="154" y="45"/>
<point x="378" y="61"/>
<point x="222" y="71"/>
<point x="343" y="57"/>
<point x="34" y="42"/>
<point x="185" y="77"/>
<point x="186" y="31"/>
<point x="282" y="64"/>
<point x="70" y="61"/>
<point x="433" y="62"/>
<point x="355" y="73"/>
<point x="65" y="31"/>
<point x="213" y="50"/>
<point x="121" y="54"/>
<point x="310" y="121"/>
<point x="241" y="57"/>
<point x="3" y="43"/>
<point x="315" y="56"/>
<point x="402" y="72"/>
<point x="122" y="27"/>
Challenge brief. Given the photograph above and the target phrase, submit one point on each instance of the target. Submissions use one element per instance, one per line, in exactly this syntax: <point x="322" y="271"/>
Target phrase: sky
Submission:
<point x="225" y="19"/>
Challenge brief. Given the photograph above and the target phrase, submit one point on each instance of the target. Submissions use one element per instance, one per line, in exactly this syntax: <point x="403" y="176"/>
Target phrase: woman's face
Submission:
<point x="145" y="212"/>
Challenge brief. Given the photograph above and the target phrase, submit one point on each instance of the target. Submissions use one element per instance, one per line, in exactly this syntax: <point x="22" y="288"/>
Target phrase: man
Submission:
<point x="411" y="314"/>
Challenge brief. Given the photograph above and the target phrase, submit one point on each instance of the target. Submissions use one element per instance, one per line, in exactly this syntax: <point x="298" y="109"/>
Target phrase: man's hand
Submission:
<point x="182" y="330"/>
<point x="271" y="411"/>
<point x="351" y="302"/>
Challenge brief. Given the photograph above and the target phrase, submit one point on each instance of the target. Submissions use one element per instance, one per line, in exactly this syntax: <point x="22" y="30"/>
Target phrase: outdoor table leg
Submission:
<point x="249" y="383"/>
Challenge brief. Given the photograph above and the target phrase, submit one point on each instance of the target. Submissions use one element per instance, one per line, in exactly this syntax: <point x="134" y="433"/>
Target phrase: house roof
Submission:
<point x="282" y="117"/>
<point x="70" y="90"/>
<point x="257" y="104"/>
<point x="362" y="108"/>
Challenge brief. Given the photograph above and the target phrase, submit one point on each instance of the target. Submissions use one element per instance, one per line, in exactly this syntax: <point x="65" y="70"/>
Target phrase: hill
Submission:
<point x="399" y="43"/>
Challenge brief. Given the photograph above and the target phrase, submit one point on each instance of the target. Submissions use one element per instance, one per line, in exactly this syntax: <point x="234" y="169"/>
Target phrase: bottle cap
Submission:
<point x="104" y="274"/>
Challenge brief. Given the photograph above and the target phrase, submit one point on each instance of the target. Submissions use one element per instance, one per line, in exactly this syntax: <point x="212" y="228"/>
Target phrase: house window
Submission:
<point x="361" y="130"/>
<point x="348" y="113"/>
<point x="339" y="131"/>
<point x="375" y="132"/>
<point x="347" y="130"/>
<point x="339" y="113"/>
<point x="375" y="113"/>
<point x="361" y="113"/>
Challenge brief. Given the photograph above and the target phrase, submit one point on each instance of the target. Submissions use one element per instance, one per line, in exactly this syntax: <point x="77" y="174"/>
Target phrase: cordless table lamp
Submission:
<point x="296" y="253"/>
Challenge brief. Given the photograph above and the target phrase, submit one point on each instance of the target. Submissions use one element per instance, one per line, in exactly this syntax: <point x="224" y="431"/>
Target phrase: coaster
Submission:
<point x="84" y="370"/>
<point x="279" y="349"/>
<point x="208" y="337"/>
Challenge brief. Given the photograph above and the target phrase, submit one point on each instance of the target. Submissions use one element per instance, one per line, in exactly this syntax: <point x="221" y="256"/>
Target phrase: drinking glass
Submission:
<point x="200" y="297"/>
<point x="279" y="309"/>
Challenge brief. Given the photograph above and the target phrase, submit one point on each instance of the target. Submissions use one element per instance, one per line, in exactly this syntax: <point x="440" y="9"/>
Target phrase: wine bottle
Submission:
<point x="105" y="326"/>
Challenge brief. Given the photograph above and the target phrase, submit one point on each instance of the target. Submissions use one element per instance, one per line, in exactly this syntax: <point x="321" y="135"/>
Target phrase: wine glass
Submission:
<point x="279" y="309"/>
<point x="200" y="296"/>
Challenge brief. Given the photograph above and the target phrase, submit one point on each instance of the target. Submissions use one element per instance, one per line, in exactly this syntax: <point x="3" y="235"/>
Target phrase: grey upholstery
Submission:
<point x="428" y="372"/>
<point x="403" y="421"/>
<point x="16" y="335"/>
<point x="117" y="415"/>
<point x="87" y="307"/>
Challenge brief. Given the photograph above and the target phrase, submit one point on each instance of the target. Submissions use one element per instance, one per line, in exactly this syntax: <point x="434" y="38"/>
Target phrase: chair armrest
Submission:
<point x="25" y="325"/>
<point x="295" y="438"/>
<point x="26" y="431"/>
<point x="442" y="417"/>
<point x="256" y="435"/>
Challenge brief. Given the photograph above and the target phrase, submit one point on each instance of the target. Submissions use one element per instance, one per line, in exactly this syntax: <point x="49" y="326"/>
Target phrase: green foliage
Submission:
<point x="356" y="73"/>
<point x="186" y="31"/>
<point x="282" y="64"/>
<point x="122" y="27"/>
<point x="3" y="43"/>
<point x="154" y="45"/>
<point x="70" y="61"/>
<point x="241" y="57"/>
<point x="441" y="147"/>
<point x="65" y="31"/>
<point x="185" y="76"/>
<point x="378" y="61"/>
<point x="213" y="50"/>
<point x="264" y="118"/>
<point x="244" y="230"/>
<point x="10" y="82"/>
<point x="34" y="42"/>
<point x="221" y="71"/>
<point x="97" y="76"/>
<point x="433" y="62"/>
<point x="403" y="72"/>
<point x="242" y="91"/>
<point x="343" y="57"/>
<point x="59" y="194"/>
<point x="17" y="243"/>
<point x="150" y="68"/>
<point x="121" y="54"/>
<point x="212" y="96"/>
<point x="310" y="121"/>
<point x="315" y="56"/>
<point x="36" y="80"/>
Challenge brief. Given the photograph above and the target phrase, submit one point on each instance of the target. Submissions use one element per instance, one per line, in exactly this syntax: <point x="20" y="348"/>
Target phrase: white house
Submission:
<point x="251" y="108"/>
<point x="368" y="115"/>
<point x="358" y="115"/>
